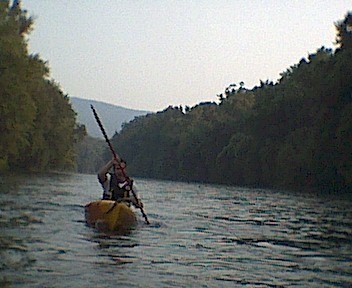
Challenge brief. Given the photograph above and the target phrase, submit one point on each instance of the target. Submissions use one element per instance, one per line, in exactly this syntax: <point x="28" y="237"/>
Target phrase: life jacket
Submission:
<point x="117" y="189"/>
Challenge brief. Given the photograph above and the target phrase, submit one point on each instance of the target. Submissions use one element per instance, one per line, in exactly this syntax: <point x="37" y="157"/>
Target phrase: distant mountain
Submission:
<point x="112" y="116"/>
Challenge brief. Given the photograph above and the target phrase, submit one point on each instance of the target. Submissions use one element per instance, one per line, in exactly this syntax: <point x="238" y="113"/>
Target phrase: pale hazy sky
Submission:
<point x="149" y="54"/>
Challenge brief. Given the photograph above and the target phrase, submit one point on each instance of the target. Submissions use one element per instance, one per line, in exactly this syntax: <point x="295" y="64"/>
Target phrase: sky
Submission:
<point x="149" y="54"/>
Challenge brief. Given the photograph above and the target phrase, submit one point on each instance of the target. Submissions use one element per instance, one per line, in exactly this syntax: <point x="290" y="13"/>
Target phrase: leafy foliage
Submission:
<point x="37" y="122"/>
<point x="295" y="133"/>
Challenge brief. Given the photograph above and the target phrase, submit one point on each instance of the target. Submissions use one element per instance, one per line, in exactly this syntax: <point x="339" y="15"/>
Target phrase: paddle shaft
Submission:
<point x="117" y="158"/>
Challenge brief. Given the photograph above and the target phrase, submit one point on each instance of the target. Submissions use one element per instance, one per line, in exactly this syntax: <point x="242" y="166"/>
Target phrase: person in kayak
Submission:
<point x="117" y="186"/>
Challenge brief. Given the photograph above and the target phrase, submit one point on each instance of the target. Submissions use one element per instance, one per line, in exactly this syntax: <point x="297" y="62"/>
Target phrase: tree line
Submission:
<point x="294" y="134"/>
<point x="38" y="126"/>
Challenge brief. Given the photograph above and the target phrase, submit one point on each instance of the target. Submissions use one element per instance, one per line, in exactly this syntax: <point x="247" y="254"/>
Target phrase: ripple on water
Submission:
<point x="200" y="236"/>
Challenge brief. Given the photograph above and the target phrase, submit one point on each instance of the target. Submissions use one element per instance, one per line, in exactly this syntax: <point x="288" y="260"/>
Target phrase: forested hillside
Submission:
<point x="90" y="155"/>
<point x="295" y="133"/>
<point x="37" y="126"/>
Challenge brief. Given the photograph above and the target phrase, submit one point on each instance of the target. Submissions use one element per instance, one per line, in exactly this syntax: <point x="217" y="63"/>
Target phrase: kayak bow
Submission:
<point x="108" y="215"/>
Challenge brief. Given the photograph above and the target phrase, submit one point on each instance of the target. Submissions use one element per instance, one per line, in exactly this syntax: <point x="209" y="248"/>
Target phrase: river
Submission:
<point x="199" y="236"/>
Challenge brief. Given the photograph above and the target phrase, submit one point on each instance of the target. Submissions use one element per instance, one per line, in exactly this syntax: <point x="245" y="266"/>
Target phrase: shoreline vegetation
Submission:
<point x="38" y="125"/>
<point x="294" y="134"/>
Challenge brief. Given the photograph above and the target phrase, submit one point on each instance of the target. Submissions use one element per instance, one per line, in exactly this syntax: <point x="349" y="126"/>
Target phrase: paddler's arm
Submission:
<point x="136" y="201"/>
<point x="104" y="170"/>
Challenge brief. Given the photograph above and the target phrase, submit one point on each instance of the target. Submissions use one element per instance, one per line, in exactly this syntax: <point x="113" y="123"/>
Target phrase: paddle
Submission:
<point x="117" y="158"/>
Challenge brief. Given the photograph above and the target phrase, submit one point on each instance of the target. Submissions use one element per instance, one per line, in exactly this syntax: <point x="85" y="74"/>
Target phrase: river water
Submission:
<point x="200" y="236"/>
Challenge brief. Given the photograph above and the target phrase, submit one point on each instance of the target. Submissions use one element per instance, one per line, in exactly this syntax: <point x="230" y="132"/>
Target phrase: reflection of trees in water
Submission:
<point x="15" y="254"/>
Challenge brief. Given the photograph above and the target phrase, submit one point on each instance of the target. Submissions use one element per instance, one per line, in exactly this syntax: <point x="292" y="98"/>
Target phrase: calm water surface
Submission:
<point x="200" y="236"/>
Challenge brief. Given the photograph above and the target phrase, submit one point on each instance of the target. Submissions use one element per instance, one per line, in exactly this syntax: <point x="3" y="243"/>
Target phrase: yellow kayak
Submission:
<point x="108" y="215"/>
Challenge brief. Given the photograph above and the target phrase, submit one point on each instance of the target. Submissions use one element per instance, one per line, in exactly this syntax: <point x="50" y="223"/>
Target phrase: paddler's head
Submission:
<point x="120" y="169"/>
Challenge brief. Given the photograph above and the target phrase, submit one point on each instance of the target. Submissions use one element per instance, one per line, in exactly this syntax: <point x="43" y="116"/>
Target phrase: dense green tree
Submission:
<point x="294" y="133"/>
<point x="38" y="128"/>
<point x="16" y="108"/>
<point x="344" y="32"/>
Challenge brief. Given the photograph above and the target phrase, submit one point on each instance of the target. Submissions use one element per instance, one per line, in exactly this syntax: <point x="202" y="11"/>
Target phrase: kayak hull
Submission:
<point x="107" y="215"/>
